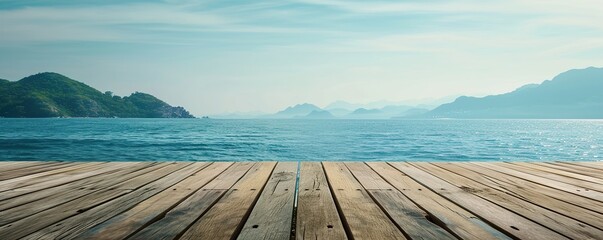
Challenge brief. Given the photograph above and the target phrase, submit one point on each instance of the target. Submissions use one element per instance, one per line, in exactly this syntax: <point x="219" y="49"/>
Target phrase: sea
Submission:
<point x="81" y="139"/>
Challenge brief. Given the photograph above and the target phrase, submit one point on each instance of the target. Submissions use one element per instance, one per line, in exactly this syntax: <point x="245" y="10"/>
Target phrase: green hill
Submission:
<point x="54" y="95"/>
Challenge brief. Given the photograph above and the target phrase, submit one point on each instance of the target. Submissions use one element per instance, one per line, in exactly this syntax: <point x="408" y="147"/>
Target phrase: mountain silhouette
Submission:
<point x="576" y="93"/>
<point x="319" y="114"/>
<point x="298" y="110"/>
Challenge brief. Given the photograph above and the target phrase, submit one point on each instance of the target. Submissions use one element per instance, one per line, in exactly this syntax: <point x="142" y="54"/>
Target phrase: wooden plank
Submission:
<point x="226" y="217"/>
<point x="591" y="165"/>
<point x="408" y="216"/>
<point x="178" y="219"/>
<point x="55" y="219"/>
<point x="56" y="182"/>
<point x="24" y="206"/>
<point x="528" y="191"/>
<point x="128" y="222"/>
<point x="91" y="217"/>
<point x="547" y="182"/>
<point x="317" y="216"/>
<point x="574" y="169"/>
<point x="550" y="168"/>
<point x="505" y="220"/>
<point x="542" y="172"/>
<point x="272" y="215"/>
<point x="564" y="225"/>
<point x="76" y="188"/>
<point x="128" y="201"/>
<point x="16" y="164"/>
<point x="33" y="169"/>
<point x="36" y="178"/>
<point x="457" y="220"/>
<point x="531" y="189"/>
<point x="362" y="215"/>
<point x="7" y="166"/>
<point x="580" y="169"/>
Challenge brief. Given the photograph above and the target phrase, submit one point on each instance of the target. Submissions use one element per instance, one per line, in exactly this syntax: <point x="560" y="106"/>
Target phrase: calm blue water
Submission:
<point x="202" y="139"/>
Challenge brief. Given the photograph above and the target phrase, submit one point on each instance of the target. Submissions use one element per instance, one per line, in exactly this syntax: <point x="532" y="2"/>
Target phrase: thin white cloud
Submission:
<point x="35" y="24"/>
<point x="139" y="22"/>
<point x="115" y="14"/>
<point x="589" y="7"/>
<point x="537" y="13"/>
<point x="129" y="22"/>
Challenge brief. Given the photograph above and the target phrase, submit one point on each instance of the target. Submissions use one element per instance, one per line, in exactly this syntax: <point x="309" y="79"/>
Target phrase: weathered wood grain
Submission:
<point x="591" y="165"/>
<point x="77" y="188"/>
<point x="551" y="169"/>
<point x="10" y="174"/>
<point x="577" y="190"/>
<point x="457" y="220"/>
<point x="57" y="219"/>
<point x="45" y="176"/>
<point x="29" y="204"/>
<point x="178" y="219"/>
<point x="574" y="180"/>
<point x="362" y="215"/>
<point x="335" y="200"/>
<point x="56" y="182"/>
<point x="575" y="169"/>
<point x="317" y="216"/>
<point x="409" y="217"/>
<point x="505" y="220"/>
<point x="104" y="211"/>
<point x="583" y="202"/>
<point x="584" y="168"/>
<point x="226" y="217"/>
<point x="564" y="225"/>
<point x="13" y="165"/>
<point x="128" y="222"/>
<point x="528" y="191"/>
<point x="271" y="217"/>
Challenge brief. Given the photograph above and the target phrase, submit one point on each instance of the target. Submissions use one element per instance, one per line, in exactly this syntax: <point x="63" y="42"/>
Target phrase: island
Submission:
<point x="46" y="95"/>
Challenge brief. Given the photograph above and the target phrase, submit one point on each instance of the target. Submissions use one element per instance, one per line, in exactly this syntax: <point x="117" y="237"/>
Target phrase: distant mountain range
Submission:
<point x="54" y="95"/>
<point x="571" y="95"/>
<point x="575" y="94"/>
<point x="319" y="114"/>
<point x="418" y="103"/>
<point x="300" y="110"/>
<point x="311" y="111"/>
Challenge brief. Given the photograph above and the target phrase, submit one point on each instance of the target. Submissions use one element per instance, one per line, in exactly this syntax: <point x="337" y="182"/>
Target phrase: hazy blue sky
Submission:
<point x="223" y="56"/>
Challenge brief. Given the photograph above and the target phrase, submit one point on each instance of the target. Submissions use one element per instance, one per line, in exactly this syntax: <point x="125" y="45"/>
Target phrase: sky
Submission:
<point x="238" y="56"/>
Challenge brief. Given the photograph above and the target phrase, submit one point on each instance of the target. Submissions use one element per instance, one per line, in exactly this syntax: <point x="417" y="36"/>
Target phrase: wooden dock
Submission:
<point x="307" y="200"/>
